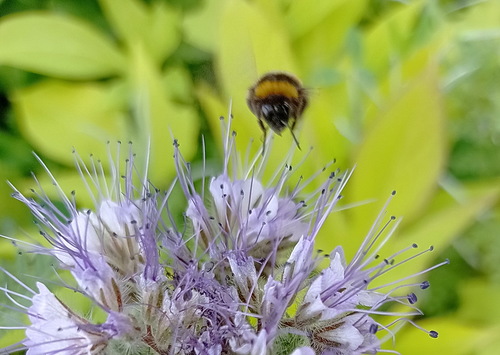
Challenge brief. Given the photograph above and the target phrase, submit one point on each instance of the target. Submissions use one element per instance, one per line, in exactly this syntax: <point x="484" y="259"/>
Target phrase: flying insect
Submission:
<point x="278" y="100"/>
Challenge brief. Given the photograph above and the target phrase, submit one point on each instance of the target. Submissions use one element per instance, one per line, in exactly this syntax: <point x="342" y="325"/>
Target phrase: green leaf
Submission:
<point x="12" y="212"/>
<point x="56" y="116"/>
<point x="302" y="16"/>
<point x="178" y="84"/>
<point x="455" y="337"/>
<point x="156" y="27"/>
<point x="127" y="17"/>
<point x="200" y="26"/>
<point x="212" y="106"/>
<point x="479" y="302"/>
<point x="250" y="40"/>
<point x="473" y="329"/>
<point x="70" y="181"/>
<point x="9" y="337"/>
<point x="15" y="154"/>
<point x="75" y="301"/>
<point x="251" y="44"/>
<point x="480" y="21"/>
<point x="392" y="37"/>
<point x="23" y="266"/>
<point x="58" y="46"/>
<point x="164" y="33"/>
<point x="402" y="151"/>
<point x="319" y="31"/>
<point x="445" y="219"/>
<point x="158" y="116"/>
<point x="488" y="342"/>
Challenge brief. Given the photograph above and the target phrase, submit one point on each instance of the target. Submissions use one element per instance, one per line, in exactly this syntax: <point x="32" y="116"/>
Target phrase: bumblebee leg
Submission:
<point x="293" y="123"/>
<point x="264" y="131"/>
<point x="295" y="139"/>
<point x="293" y="134"/>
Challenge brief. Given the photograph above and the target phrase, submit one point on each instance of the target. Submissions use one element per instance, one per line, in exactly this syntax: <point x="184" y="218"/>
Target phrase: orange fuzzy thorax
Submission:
<point x="269" y="87"/>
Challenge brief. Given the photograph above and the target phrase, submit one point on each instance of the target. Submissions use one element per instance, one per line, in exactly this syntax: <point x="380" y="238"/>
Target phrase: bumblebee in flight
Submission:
<point x="278" y="100"/>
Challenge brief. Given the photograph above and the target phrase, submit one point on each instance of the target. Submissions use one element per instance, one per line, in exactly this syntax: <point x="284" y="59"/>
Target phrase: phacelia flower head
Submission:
<point x="241" y="276"/>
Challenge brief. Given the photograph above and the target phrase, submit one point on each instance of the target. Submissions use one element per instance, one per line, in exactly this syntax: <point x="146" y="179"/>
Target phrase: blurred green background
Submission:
<point x="408" y="92"/>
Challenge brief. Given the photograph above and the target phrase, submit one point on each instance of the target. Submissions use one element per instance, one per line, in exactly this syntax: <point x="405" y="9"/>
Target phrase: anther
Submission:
<point x="412" y="298"/>
<point x="424" y="285"/>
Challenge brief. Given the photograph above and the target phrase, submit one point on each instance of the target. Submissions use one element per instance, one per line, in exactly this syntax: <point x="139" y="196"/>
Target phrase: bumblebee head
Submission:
<point x="276" y="114"/>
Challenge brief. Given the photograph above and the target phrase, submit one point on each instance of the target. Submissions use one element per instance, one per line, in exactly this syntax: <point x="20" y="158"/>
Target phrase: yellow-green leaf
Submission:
<point x="440" y="224"/>
<point x="212" y="106"/>
<point x="473" y="329"/>
<point x="129" y="18"/>
<point x="302" y="16"/>
<point x="12" y="212"/>
<point x="56" y="116"/>
<point x="455" y="337"/>
<point x="200" y="26"/>
<point x="402" y="151"/>
<point x="11" y="336"/>
<point x="158" y="117"/>
<point x="390" y="38"/>
<point x="57" y="45"/>
<point x="164" y="30"/>
<point x="320" y="31"/>
<point x="156" y="26"/>
<point x="251" y="44"/>
<point x="479" y="302"/>
<point x="480" y="22"/>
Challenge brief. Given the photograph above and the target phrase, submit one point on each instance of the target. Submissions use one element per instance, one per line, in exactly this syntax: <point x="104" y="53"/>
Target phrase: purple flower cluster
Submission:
<point x="241" y="276"/>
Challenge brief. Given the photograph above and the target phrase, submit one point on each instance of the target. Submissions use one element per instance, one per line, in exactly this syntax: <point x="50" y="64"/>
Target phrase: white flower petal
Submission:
<point x="54" y="329"/>
<point x="305" y="350"/>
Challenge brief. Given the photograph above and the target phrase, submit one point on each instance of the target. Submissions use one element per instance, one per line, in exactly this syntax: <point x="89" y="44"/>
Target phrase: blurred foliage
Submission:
<point x="405" y="91"/>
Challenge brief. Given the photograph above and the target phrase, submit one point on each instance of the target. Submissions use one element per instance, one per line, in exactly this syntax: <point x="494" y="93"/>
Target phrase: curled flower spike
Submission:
<point x="241" y="276"/>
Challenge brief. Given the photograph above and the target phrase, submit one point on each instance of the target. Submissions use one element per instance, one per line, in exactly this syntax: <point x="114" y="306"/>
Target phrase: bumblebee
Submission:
<point x="278" y="100"/>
